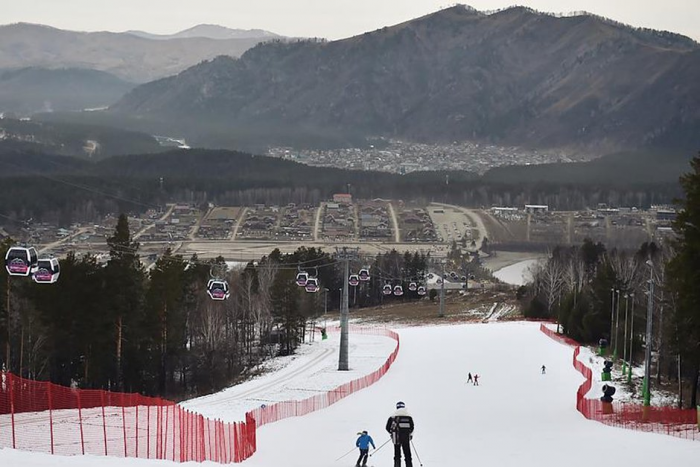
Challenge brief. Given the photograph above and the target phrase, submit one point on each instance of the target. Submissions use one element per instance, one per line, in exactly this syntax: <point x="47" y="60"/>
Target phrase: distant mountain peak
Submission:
<point x="210" y="31"/>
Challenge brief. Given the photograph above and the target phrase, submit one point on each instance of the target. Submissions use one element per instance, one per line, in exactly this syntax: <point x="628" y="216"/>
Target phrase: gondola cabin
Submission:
<point x="47" y="271"/>
<point x="363" y="275"/>
<point x="354" y="280"/>
<point x="20" y="261"/>
<point x="387" y="289"/>
<point x="398" y="290"/>
<point x="218" y="289"/>
<point x="312" y="285"/>
<point x="421" y="290"/>
<point x="302" y="278"/>
<point x="412" y="286"/>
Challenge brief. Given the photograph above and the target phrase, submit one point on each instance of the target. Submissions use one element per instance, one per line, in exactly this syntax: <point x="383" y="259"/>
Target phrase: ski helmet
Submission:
<point x="364" y="432"/>
<point x="400" y="405"/>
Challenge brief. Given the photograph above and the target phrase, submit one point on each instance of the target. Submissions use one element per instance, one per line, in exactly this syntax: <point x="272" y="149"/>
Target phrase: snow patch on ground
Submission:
<point x="518" y="273"/>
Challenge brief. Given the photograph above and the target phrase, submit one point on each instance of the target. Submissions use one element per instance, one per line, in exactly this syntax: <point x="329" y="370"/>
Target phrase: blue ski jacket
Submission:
<point x="364" y="441"/>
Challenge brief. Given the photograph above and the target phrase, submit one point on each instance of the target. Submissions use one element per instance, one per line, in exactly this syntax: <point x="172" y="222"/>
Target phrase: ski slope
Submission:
<point x="516" y="417"/>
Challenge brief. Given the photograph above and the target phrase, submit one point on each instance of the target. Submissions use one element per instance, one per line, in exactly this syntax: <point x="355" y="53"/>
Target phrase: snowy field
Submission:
<point x="516" y="274"/>
<point x="516" y="417"/>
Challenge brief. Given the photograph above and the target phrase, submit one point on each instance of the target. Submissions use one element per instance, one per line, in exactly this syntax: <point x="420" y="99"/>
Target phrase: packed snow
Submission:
<point x="516" y="417"/>
<point x="313" y="369"/>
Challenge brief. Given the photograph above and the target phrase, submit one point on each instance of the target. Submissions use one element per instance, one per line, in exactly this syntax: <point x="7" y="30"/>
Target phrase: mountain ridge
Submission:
<point x="210" y="31"/>
<point x="515" y="76"/>
<point x="127" y="56"/>
<point x="25" y="91"/>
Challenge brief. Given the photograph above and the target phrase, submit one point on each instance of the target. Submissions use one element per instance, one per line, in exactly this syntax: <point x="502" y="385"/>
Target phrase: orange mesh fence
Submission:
<point x="683" y="423"/>
<point x="43" y="417"/>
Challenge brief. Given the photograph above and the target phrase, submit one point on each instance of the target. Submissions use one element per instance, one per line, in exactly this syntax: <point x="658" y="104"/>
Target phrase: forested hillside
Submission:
<point x="515" y="77"/>
<point x="116" y="326"/>
<point x="66" y="190"/>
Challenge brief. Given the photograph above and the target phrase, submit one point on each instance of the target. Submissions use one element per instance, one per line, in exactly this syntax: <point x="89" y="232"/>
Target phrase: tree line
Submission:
<point x="64" y="190"/>
<point x="594" y="293"/>
<point x="118" y="326"/>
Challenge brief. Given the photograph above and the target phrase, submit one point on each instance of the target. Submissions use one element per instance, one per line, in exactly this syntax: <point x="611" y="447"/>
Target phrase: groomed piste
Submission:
<point x="516" y="417"/>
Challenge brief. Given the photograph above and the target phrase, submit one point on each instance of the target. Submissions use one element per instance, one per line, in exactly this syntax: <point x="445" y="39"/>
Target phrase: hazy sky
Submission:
<point x="332" y="19"/>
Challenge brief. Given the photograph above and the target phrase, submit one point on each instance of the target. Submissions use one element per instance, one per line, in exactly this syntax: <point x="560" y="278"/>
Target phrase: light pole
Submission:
<point x="325" y="308"/>
<point x="629" y="373"/>
<point x="345" y="255"/>
<point x="617" y="323"/>
<point x="442" y="291"/>
<point x="624" y="342"/>
<point x="646" y="390"/>
<point x="612" y="315"/>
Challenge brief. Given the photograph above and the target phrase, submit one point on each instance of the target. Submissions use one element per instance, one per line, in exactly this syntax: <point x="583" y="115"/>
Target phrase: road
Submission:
<point x="239" y="222"/>
<point x="395" y="223"/>
<point x="161" y="218"/>
<point x="317" y="220"/>
<point x="57" y="243"/>
<point x="195" y="229"/>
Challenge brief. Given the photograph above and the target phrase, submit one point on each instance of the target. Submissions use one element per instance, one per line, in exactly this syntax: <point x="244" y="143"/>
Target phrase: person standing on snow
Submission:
<point x="469" y="378"/>
<point x="544" y="369"/>
<point x="400" y="427"/>
<point x="363" y="443"/>
<point x="476" y="379"/>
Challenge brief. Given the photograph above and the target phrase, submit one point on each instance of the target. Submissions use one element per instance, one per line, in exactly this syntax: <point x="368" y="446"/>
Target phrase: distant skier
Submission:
<point x="400" y="426"/>
<point x="470" y="379"/>
<point x="363" y="443"/>
<point x="476" y="379"/>
<point x="544" y="369"/>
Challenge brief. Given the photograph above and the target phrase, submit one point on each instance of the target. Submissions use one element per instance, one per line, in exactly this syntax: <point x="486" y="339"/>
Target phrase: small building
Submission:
<point x="536" y="208"/>
<point x="503" y="210"/>
<point x="666" y="215"/>
<point x="342" y="198"/>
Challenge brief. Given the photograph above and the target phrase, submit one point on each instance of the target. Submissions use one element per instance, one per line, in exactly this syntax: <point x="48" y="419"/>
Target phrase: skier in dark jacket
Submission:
<point x="400" y="427"/>
<point x="363" y="443"/>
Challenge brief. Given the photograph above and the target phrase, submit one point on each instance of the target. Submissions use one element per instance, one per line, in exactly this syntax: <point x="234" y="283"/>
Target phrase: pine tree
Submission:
<point x="124" y="290"/>
<point x="684" y="276"/>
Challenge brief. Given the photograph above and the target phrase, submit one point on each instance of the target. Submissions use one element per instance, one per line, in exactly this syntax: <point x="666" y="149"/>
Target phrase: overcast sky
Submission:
<point x="332" y="19"/>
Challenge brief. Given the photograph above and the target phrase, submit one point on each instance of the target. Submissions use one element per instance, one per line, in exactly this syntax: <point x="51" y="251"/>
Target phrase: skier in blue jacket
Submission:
<point x="363" y="443"/>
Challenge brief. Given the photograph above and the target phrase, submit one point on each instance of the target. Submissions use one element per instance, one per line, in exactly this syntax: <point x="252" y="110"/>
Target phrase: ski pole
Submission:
<point x="345" y="454"/>
<point x="384" y="444"/>
<point x="416" y="451"/>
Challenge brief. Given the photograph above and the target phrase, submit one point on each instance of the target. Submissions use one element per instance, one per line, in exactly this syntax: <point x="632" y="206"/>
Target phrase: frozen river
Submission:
<point x="518" y="273"/>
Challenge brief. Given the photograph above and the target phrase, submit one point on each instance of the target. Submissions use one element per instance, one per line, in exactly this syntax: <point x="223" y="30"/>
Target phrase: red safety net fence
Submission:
<point x="286" y="409"/>
<point x="682" y="423"/>
<point x="43" y="417"/>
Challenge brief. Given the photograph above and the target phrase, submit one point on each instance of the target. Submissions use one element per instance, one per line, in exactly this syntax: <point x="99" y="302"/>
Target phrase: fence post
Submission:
<point x="182" y="434"/>
<point x="159" y="432"/>
<point x="148" y="430"/>
<point x="123" y="422"/>
<point x="104" y="419"/>
<point x="80" y="419"/>
<point x="174" y="436"/>
<point x="50" y="413"/>
<point x="11" y="384"/>
<point x="202" y="449"/>
<point x="164" y="446"/>
<point x="137" y="427"/>
<point x="216" y="441"/>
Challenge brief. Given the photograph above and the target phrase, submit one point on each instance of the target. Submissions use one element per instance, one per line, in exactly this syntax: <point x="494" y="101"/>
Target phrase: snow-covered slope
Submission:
<point x="516" y="417"/>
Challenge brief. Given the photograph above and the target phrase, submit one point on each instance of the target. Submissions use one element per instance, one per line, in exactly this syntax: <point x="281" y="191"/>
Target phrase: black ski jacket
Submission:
<point x="400" y="425"/>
